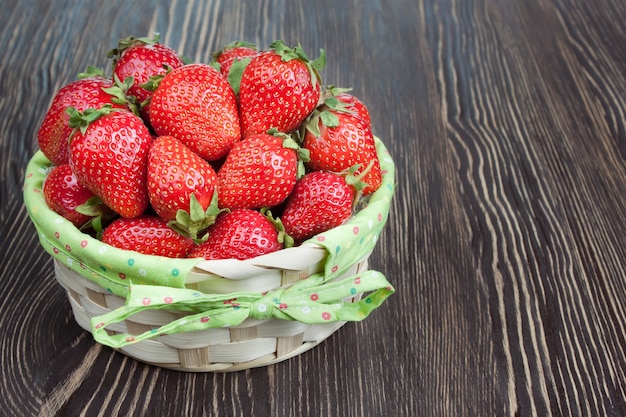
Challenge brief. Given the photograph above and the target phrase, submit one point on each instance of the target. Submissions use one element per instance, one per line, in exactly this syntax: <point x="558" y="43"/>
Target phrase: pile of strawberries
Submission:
<point x="234" y="158"/>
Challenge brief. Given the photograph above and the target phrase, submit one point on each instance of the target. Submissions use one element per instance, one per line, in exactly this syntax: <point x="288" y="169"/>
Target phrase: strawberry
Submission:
<point x="278" y="89"/>
<point x="181" y="186"/>
<point x="232" y="60"/>
<point x="146" y="234"/>
<point x="337" y="140"/>
<point x="143" y="59"/>
<point x="320" y="201"/>
<point x="239" y="234"/>
<point x="68" y="198"/>
<point x="235" y="51"/>
<point x="259" y="171"/>
<point x="109" y="156"/>
<point x="54" y="131"/>
<point x="352" y="104"/>
<point x="196" y="105"/>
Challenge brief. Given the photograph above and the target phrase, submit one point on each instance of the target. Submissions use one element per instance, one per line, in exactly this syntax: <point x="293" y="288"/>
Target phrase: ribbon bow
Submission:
<point x="304" y="301"/>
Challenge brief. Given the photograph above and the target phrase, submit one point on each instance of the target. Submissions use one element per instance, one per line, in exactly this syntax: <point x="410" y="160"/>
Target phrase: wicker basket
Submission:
<point x="226" y="315"/>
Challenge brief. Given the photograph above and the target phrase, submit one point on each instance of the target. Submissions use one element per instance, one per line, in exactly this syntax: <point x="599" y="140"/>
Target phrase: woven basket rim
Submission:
<point x="89" y="256"/>
<point x="252" y="344"/>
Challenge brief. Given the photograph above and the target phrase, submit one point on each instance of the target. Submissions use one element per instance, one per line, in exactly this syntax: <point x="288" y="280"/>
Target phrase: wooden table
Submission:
<point x="506" y="239"/>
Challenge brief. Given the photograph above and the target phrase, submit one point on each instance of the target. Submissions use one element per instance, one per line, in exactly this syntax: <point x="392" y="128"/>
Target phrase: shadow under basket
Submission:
<point x="222" y="315"/>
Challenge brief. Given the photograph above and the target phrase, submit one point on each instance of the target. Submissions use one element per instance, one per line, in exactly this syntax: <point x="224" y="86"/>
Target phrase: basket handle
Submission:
<point x="306" y="303"/>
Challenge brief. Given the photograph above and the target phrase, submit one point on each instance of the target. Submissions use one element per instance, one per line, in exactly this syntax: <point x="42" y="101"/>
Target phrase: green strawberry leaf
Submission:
<point x="287" y="54"/>
<point x="356" y="181"/>
<point x="93" y="225"/>
<point x="283" y="238"/>
<point x="334" y="91"/>
<point x="312" y="125"/>
<point x="316" y="66"/>
<point x="215" y="65"/>
<point x="119" y="93"/>
<point x="289" y="142"/>
<point x="91" y="207"/>
<point x="129" y="41"/>
<point x="91" y="71"/>
<point x="320" y="62"/>
<point x="101" y="215"/>
<point x="236" y="72"/>
<point x="195" y="222"/>
<point x="154" y="80"/>
<point x="329" y="119"/>
<point x="333" y="103"/>
<point x="232" y="45"/>
<point x="82" y="120"/>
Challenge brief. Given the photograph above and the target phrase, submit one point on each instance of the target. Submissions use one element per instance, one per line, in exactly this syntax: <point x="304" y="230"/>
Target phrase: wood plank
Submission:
<point x="507" y="124"/>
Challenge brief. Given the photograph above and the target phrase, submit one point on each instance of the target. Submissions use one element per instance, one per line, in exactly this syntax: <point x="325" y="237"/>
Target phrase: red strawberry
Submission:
<point x="235" y="51"/>
<point x="54" y="132"/>
<point x="181" y="186"/>
<point x="146" y="234"/>
<point x="320" y="201"/>
<point x="239" y="234"/>
<point x="196" y="105"/>
<point x="279" y="88"/>
<point x="337" y="141"/>
<point x="260" y="171"/>
<point x="340" y="100"/>
<point x="68" y="198"/>
<point x="109" y="156"/>
<point x="353" y="104"/>
<point x="142" y="59"/>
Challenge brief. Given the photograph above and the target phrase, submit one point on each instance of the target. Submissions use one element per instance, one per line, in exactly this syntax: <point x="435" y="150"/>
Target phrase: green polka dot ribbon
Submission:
<point x="301" y="302"/>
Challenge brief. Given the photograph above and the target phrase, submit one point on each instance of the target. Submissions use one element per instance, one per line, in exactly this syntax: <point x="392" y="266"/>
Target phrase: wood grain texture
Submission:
<point x="505" y="241"/>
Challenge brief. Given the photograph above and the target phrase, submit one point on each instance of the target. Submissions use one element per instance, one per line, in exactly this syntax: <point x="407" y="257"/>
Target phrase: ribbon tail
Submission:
<point x="361" y="309"/>
<point x="329" y="302"/>
<point x="335" y="301"/>
<point x="210" y="319"/>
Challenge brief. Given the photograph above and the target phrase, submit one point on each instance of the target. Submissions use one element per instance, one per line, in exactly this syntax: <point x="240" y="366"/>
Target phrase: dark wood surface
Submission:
<point x="506" y="241"/>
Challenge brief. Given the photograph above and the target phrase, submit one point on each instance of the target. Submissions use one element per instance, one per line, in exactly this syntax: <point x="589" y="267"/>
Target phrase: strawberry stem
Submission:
<point x="335" y="91"/>
<point x="232" y="45"/>
<point x="92" y="207"/>
<point x="194" y="223"/>
<point x="236" y="72"/>
<point x="154" y="80"/>
<point x="91" y="71"/>
<point x="289" y="142"/>
<point x="129" y="41"/>
<point x="283" y="238"/>
<point x="287" y="54"/>
<point x="326" y="110"/>
<point x="119" y="93"/>
<point x="99" y="213"/>
<point x="82" y="120"/>
<point x="356" y="181"/>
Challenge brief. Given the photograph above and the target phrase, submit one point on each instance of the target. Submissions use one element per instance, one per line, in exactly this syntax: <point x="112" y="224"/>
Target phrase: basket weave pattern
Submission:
<point x="213" y="333"/>
<point x="250" y="344"/>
